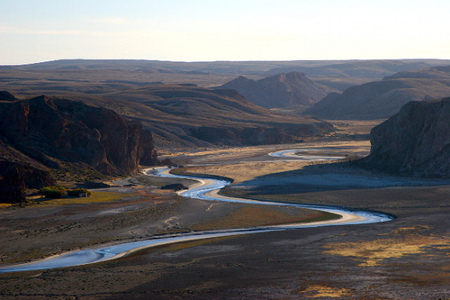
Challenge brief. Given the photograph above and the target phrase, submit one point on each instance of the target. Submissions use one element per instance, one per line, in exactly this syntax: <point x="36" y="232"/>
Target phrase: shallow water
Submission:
<point x="297" y="153"/>
<point x="94" y="255"/>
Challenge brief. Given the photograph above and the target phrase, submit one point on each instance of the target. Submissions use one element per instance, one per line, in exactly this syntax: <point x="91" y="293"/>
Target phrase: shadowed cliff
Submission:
<point x="46" y="135"/>
<point x="416" y="141"/>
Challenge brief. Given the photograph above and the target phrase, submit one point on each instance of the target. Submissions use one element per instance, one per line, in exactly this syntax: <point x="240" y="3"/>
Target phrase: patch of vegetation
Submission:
<point x="375" y="252"/>
<point x="77" y="192"/>
<point x="53" y="192"/>
<point x="256" y="215"/>
<point x="162" y="181"/>
<point x="59" y="191"/>
<point x="95" y="197"/>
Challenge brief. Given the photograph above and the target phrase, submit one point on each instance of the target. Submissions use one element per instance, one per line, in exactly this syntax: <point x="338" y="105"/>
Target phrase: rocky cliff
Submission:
<point x="16" y="177"/>
<point x="416" y="141"/>
<point x="281" y="90"/>
<point x="60" y="133"/>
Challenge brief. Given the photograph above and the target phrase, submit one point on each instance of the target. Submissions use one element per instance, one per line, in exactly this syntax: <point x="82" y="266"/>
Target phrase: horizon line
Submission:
<point x="215" y="61"/>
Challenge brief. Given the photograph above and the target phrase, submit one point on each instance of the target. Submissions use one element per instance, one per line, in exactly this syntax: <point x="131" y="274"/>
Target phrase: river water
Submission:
<point x="206" y="191"/>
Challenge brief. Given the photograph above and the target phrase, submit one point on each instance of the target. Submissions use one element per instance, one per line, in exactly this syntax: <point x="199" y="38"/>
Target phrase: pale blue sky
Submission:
<point x="200" y="30"/>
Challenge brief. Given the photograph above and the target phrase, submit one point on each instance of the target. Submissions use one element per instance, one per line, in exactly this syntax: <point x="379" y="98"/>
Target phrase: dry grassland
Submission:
<point x="402" y="242"/>
<point x="256" y="215"/>
<point x="322" y="291"/>
<point x="248" y="171"/>
<point x="96" y="197"/>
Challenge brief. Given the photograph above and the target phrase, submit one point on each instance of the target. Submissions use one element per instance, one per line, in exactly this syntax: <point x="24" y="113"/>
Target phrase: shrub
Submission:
<point x="76" y="192"/>
<point x="55" y="191"/>
<point x="58" y="191"/>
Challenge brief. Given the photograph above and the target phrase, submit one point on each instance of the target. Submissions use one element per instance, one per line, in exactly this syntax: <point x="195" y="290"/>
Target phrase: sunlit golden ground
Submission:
<point x="399" y="243"/>
<point x="404" y="259"/>
<point x="258" y="215"/>
<point x="247" y="171"/>
<point x="96" y="197"/>
<point x="214" y="155"/>
<point x="321" y="291"/>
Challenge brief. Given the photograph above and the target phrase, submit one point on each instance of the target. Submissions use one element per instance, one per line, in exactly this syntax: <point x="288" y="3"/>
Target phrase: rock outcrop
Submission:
<point x="416" y="141"/>
<point x="55" y="131"/>
<point x="16" y="177"/>
<point x="7" y="96"/>
<point x="281" y="90"/>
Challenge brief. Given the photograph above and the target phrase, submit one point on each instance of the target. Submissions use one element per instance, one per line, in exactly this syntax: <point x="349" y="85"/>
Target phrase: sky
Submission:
<point x="226" y="30"/>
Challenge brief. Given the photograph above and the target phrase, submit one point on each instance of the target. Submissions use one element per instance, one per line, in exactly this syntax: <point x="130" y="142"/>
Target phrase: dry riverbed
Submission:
<point x="403" y="259"/>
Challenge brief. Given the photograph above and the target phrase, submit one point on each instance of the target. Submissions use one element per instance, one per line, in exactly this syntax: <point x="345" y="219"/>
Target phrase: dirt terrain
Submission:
<point x="403" y="259"/>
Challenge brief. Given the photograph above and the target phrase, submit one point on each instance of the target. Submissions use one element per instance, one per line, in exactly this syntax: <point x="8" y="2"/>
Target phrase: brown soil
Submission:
<point x="403" y="259"/>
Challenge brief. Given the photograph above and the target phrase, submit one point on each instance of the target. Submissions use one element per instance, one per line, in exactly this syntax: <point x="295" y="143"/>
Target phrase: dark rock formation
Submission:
<point x="281" y="90"/>
<point x="52" y="131"/>
<point x="15" y="177"/>
<point x="147" y="151"/>
<point x="416" y="141"/>
<point x="6" y="96"/>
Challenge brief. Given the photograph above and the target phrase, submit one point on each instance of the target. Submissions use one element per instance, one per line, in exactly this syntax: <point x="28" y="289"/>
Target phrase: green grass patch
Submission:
<point x="96" y="197"/>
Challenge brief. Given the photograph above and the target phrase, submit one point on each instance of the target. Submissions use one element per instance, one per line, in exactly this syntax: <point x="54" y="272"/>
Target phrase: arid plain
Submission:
<point x="406" y="258"/>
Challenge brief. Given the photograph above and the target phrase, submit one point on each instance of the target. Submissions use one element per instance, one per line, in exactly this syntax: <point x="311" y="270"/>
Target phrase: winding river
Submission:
<point x="205" y="189"/>
<point x="298" y="154"/>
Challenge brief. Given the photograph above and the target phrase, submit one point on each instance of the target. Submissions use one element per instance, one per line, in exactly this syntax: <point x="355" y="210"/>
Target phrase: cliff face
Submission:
<point x="416" y="141"/>
<point x="54" y="131"/>
<point x="281" y="90"/>
<point x="15" y="177"/>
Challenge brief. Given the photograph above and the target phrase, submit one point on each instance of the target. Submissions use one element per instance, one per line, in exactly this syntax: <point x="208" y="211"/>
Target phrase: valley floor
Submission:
<point x="403" y="259"/>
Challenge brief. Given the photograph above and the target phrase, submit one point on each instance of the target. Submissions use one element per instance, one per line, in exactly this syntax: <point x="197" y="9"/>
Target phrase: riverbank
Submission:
<point x="393" y="260"/>
<point x="134" y="209"/>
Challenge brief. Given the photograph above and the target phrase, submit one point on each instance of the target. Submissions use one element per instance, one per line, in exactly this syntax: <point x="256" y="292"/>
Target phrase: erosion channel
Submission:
<point x="206" y="189"/>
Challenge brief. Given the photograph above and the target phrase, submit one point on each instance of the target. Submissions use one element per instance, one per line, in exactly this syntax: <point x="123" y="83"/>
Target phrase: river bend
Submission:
<point x="206" y="189"/>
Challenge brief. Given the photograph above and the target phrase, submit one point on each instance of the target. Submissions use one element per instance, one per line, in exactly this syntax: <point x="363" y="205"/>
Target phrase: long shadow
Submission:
<point x="330" y="177"/>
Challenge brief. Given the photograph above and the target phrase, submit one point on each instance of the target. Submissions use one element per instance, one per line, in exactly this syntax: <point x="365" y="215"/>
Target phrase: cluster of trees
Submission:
<point x="58" y="191"/>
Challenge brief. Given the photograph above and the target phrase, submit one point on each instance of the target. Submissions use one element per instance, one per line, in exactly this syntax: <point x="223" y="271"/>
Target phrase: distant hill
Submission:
<point x="415" y="141"/>
<point x="382" y="99"/>
<point x="336" y="74"/>
<point x="186" y="115"/>
<point x="344" y="74"/>
<point x="312" y="68"/>
<point x="281" y="90"/>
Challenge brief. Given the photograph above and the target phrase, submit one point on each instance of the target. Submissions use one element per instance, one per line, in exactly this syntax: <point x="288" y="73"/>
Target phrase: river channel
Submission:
<point x="206" y="189"/>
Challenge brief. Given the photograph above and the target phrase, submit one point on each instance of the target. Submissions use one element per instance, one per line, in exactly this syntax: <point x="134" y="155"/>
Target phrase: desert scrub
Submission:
<point x="95" y="197"/>
<point x="78" y="192"/>
<point x="58" y="191"/>
<point x="55" y="191"/>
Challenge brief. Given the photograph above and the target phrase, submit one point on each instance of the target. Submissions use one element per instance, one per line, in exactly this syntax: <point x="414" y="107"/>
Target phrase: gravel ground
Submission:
<point x="403" y="259"/>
